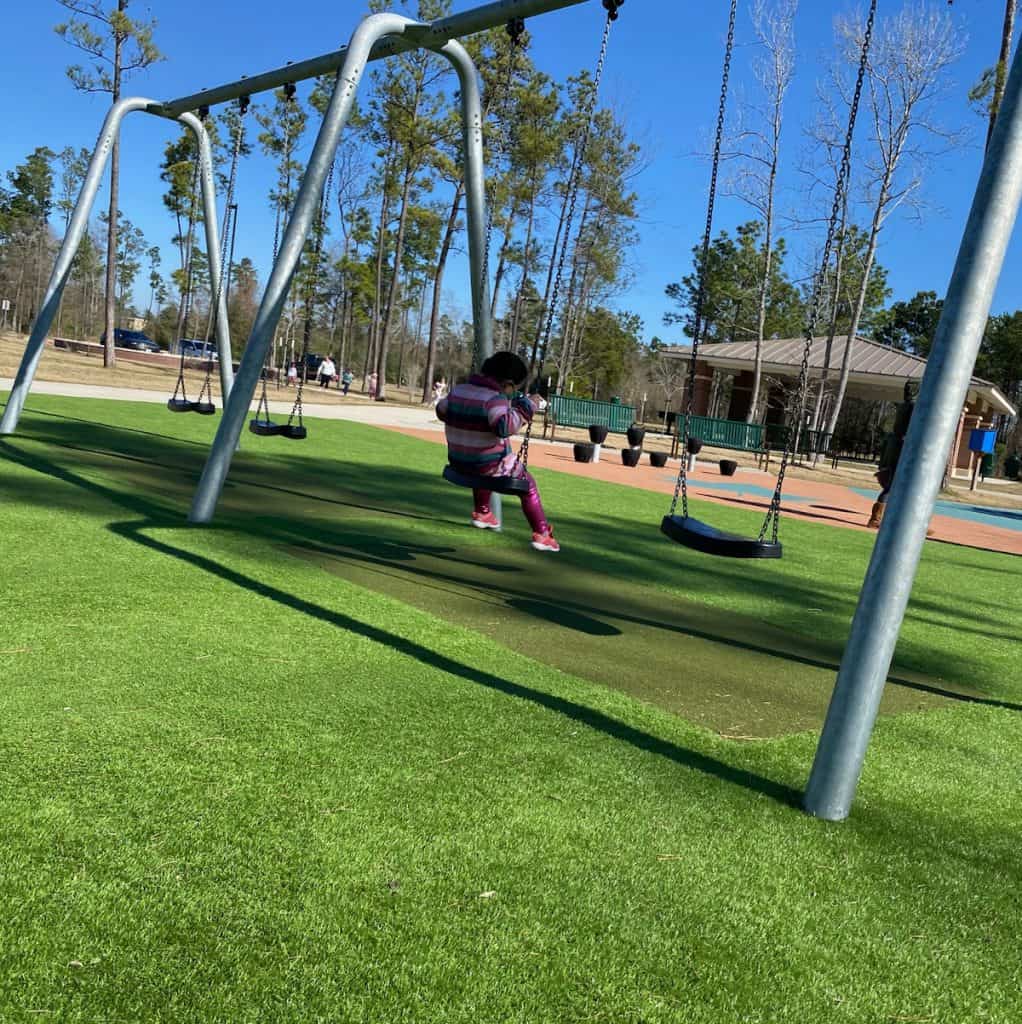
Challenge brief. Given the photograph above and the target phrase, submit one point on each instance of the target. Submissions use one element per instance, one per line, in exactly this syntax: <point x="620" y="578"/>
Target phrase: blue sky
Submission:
<point x="662" y="76"/>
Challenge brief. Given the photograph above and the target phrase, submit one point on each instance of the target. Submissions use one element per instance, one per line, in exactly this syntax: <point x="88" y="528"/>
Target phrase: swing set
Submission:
<point x="885" y="591"/>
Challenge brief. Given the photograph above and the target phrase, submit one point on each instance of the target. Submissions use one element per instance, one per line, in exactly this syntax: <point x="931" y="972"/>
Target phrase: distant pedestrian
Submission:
<point x="346" y="378"/>
<point x="327" y="372"/>
<point x="292" y="375"/>
<point x="372" y="385"/>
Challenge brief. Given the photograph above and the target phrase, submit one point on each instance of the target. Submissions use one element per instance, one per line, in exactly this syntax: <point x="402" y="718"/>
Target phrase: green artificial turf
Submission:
<point x="339" y="758"/>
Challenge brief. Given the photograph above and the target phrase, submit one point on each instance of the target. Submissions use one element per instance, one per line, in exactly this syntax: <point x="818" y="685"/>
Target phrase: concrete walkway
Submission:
<point x="837" y="505"/>
<point x="357" y="409"/>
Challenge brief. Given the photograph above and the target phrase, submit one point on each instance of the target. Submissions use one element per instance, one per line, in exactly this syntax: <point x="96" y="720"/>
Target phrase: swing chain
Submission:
<point x="289" y="95"/>
<point x="187" y="299"/>
<point x="225" y="269"/>
<point x="681" y="485"/>
<point x="841" y="188"/>
<point x="515" y="29"/>
<point x="574" y="180"/>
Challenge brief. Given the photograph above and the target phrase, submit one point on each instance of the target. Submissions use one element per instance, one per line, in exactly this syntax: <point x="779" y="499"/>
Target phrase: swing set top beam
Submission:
<point x="432" y="35"/>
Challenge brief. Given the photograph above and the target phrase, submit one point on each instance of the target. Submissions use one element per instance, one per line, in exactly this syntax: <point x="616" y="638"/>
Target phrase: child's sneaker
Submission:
<point x="485" y="521"/>
<point x="545" y="542"/>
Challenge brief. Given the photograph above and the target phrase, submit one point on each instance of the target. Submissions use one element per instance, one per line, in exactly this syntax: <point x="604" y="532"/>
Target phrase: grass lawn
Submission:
<point x="341" y="758"/>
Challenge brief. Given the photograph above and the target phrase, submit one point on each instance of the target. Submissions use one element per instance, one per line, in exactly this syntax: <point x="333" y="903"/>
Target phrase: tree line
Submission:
<point x="370" y="289"/>
<point x="752" y="293"/>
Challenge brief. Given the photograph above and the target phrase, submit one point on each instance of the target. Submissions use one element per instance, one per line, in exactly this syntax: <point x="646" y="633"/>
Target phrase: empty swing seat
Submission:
<point x="180" y="405"/>
<point x="294" y="431"/>
<point x="264" y="428"/>
<point x="702" y="537"/>
<point x="478" y="482"/>
<point x="204" y="408"/>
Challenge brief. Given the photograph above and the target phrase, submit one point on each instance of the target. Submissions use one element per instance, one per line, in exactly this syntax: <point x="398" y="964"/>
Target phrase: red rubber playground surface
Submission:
<point x="833" y="504"/>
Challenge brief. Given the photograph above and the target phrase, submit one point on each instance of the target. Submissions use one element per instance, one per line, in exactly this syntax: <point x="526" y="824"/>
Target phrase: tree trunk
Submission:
<point x="110" y="315"/>
<point x="374" y="323"/>
<point x="768" y="239"/>
<point x="438" y="279"/>
<point x="548" y="313"/>
<point x="502" y="259"/>
<point x="393" y="291"/>
<point x="860" y="302"/>
<point x="576" y="256"/>
<point x="517" y="310"/>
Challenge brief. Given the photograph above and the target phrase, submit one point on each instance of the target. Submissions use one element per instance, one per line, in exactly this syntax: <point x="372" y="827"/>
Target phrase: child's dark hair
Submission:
<point x="505" y="366"/>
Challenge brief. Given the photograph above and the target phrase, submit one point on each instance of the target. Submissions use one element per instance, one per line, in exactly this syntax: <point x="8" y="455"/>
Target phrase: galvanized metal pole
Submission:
<point x="223" y="330"/>
<point x="885" y="592"/>
<point x="475" y="195"/>
<point x="475" y="212"/>
<point x="432" y="35"/>
<point x="218" y="463"/>
<point x="76" y="228"/>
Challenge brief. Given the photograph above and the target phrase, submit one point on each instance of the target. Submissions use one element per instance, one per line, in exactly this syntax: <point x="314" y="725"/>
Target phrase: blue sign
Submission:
<point x="981" y="440"/>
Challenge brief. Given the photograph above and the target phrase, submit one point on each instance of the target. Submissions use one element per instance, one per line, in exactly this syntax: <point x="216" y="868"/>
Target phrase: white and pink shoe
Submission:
<point x="545" y="541"/>
<point x="485" y="521"/>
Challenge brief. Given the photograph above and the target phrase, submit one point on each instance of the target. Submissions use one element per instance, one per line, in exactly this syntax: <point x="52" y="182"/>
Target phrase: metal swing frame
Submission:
<point x="888" y="582"/>
<point x="79" y="224"/>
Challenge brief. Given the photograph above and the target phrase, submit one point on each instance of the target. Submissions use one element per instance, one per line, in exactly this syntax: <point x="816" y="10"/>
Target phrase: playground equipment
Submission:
<point x="685" y="529"/>
<point x="515" y="483"/>
<point x="204" y="405"/>
<point x="889" y="578"/>
<point x="78" y="225"/>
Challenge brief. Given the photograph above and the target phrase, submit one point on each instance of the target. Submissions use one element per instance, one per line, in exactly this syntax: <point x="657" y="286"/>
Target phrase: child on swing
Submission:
<point x="481" y="417"/>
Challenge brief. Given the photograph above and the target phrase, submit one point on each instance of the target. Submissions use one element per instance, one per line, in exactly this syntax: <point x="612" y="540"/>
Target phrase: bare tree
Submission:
<point x="117" y="46"/>
<point x="757" y="144"/>
<point x="906" y="77"/>
<point x="669" y="375"/>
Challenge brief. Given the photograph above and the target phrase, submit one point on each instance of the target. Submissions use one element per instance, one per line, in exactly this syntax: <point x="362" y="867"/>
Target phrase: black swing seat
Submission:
<point x="180" y="405"/>
<point x="478" y="482"/>
<point x="294" y="431"/>
<point x="264" y="428"/>
<point x="204" y="408"/>
<point x="702" y="537"/>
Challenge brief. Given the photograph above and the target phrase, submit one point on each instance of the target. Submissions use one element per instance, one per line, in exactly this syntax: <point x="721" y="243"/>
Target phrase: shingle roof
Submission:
<point x="868" y="359"/>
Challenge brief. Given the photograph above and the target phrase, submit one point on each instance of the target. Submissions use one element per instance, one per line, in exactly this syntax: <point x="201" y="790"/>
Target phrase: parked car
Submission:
<point x="197" y="349"/>
<point x="132" y="339"/>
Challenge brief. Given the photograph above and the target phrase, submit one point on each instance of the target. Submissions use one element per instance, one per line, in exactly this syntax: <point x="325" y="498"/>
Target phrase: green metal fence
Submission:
<point x="566" y="411"/>
<point x="746" y="437"/>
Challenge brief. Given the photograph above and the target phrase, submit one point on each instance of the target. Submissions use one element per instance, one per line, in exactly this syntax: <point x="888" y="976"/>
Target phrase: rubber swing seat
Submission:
<point x="702" y="537"/>
<point x="180" y="405"/>
<point x="264" y="428"/>
<point x="293" y="431"/>
<point x="478" y="482"/>
<point x="205" y="408"/>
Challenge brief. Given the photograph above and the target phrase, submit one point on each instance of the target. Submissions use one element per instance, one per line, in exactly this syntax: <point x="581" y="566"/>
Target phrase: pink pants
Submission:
<point x="531" y="506"/>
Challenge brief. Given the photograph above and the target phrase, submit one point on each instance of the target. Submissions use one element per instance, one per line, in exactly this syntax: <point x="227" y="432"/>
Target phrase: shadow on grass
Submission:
<point x="625" y="549"/>
<point x="1002" y="512"/>
<point x="156" y="517"/>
